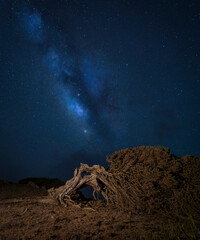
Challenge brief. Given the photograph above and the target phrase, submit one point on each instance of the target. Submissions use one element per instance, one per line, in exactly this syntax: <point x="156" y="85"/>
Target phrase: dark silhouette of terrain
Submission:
<point x="43" y="182"/>
<point x="157" y="197"/>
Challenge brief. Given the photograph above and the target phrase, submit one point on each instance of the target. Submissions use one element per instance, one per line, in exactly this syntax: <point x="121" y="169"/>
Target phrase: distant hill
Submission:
<point x="43" y="182"/>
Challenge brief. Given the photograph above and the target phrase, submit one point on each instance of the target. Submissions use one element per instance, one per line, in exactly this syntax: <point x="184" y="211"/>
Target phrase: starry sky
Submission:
<point x="80" y="79"/>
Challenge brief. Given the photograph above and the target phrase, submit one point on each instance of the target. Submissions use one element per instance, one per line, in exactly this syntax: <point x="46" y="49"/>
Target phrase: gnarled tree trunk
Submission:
<point x="96" y="177"/>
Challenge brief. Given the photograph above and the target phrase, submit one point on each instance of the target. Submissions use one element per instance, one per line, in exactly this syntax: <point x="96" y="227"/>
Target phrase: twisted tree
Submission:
<point x="96" y="176"/>
<point x="149" y="181"/>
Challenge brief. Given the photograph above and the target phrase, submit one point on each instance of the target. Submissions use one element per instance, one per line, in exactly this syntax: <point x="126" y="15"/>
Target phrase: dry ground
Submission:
<point x="27" y="213"/>
<point x="156" y="196"/>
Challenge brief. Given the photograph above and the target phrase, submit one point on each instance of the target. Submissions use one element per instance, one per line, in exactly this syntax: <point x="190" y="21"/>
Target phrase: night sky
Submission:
<point x="80" y="79"/>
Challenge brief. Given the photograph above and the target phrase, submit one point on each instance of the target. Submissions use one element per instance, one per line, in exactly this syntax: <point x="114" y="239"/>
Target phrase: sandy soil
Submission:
<point x="27" y="213"/>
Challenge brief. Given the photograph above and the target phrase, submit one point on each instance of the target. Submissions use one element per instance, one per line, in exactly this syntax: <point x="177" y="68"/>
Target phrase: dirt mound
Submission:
<point x="20" y="191"/>
<point x="43" y="182"/>
<point x="27" y="188"/>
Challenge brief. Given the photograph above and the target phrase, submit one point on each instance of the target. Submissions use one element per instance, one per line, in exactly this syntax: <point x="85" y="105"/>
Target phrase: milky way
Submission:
<point x="77" y="80"/>
<point x="81" y="79"/>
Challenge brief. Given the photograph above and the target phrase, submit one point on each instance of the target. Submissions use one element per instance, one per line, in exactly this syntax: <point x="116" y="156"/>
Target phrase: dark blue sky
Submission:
<point x="81" y="79"/>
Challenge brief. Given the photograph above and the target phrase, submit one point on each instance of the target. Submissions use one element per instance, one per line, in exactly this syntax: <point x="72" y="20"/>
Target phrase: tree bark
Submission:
<point x="96" y="177"/>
